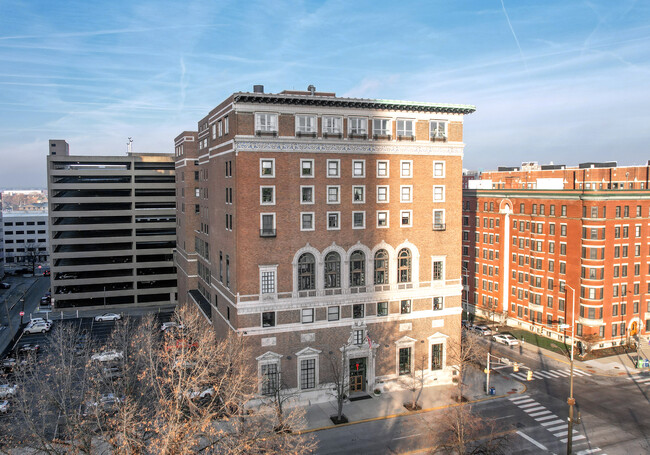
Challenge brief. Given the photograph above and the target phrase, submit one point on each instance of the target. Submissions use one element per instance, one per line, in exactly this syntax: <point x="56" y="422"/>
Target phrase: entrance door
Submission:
<point x="634" y="329"/>
<point x="358" y="375"/>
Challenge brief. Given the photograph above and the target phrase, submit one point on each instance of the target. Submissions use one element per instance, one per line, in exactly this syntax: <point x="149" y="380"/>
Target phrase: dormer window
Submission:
<point x="306" y="124"/>
<point x="266" y="123"/>
<point x="438" y="130"/>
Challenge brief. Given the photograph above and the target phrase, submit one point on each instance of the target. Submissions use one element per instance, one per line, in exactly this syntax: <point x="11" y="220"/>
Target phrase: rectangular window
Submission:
<point x="306" y="194"/>
<point x="268" y="319"/>
<point x="333" y="221"/>
<point x="406" y="168"/>
<point x="267" y="195"/>
<point x="382" y="219"/>
<point x="269" y="376"/>
<point x="438" y="193"/>
<point x="332" y="125"/>
<point x="268" y="282"/>
<point x="439" y="220"/>
<point x="381" y="127"/>
<point x="307" y="315"/>
<point x="382" y="169"/>
<point x="266" y="123"/>
<point x="438" y="270"/>
<point x="358" y="126"/>
<point x="437" y="129"/>
<point x="267" y="168"/>
<point x="267" y="224"/>
<point x="307" y="221"/>
<point x="226" y="125"/>
<point x="382" y="308"/>
<point x="438" y="303"/>
<point x="306" y="124"/>
<point x="406" y="193"/>
<point x="404" y="361"/>
<point x="405" y="128"/>
<point x="358" y="168"/>
<point x="220" y="128"/>
<point x="307" y="374"/>
<point x="358" y="220"/>
<point x="333" y="313"/>
<point x="358" y="194"/>
<point x="436" y="356"/>
<point x="333" y="168"/>
<point x="306" y="168"/>
<point x="438" y="169"/>
<point x="382" y="194"/>
<point x="405" y="218"/>
<point x="358" y="311"/>
<point x="333" y="196"/>
<point x="405" y="307"/>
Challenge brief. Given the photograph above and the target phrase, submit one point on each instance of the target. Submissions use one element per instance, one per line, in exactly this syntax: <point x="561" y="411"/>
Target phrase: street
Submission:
<point x="615" y="416"/>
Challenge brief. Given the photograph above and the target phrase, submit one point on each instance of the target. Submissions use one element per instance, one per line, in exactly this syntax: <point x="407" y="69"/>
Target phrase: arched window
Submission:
<point x="358" y="269"/>
<point x="381" y="267"/>
<point x="333" y="270"/>
<point x="404" y="265"/>
<point x="306" y="276"/>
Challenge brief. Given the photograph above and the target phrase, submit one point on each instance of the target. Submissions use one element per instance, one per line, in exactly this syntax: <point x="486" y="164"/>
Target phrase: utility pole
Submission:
<point x="571" y="401"/>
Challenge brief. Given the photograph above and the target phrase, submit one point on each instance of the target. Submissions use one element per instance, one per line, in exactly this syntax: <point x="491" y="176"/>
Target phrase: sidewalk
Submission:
<point x="391" y="404"/>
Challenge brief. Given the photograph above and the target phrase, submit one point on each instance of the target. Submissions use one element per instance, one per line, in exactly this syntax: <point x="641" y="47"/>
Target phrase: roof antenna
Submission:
<point x="128" y="145"/>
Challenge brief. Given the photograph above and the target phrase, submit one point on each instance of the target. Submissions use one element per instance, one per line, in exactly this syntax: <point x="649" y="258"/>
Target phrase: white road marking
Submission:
<point x="564" y="373"/>
<point x="520" y="398"/>
<point x="540" y="413"/>
<point x="528" y="405"/>
<point x="580" y="372"/>
<point x="527" y="400"/>
<point x="576" y="438"/>
<point x="541" y="419"/>
<point x="558" y="427"/>
<point x="554" y="422"/>
<point x="561" y="434"/>
<point x="538" y="408"/>
<point x="519" y="376"/>
<point x="409" y="436"/>
<point x="589" y="451"/>
<point x="504" y="417"/>
<point x="532" y="441"/>
<point x="553" y="374"/>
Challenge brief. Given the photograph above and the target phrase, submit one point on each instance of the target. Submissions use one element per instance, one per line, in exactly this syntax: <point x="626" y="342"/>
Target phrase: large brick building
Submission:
<point x="533" y="234"/>
<point x="310" y="223"/>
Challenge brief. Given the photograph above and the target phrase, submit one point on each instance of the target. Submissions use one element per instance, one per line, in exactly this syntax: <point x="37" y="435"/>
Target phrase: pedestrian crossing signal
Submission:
<point x="529" y="375"/>
<point x="515" y="367"/>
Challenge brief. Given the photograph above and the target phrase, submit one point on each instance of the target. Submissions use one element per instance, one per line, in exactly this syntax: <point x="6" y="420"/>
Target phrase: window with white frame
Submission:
<point x="439" y="219"/>
<point x="382" y="194"/>
<point x="214" y="131"/>
<point x="307" y="374"/>
<point x="267" y="195"/>
<point x="265" y="122"/>
<point x="358" y="220"/>
<point x="406" y="168"/>
<point x="381" y="127"/>
<point x="267" y="224"/>
<point x="358" y="125"/>
<point x="220" y="128"/>
<point x="406" y="193"/>
<point x="307" y="221"/>
<point x="382" y="219"/>
<point x="268" y="280"/>
<point x="267" y="167"/>
<point x="307" y="315"/>
<point x="437" y="356"/>
<point x="226" y="125"/>
<point x="306" y="169"/>
<point x="438" y="303"/>
<point x="333" y="168"/>
<point x="306" y="124"/>
<point x="406" y="218"/>
<point x="268" y="319"/>
<point x="438" y="129"/>
<point x="332" y="125"/>
<point x="438" y="193"/>
<point x="358" y="168"/>
<point x="333" y="313"/>
<point x="358" y="194"/>
<point x="405" y="128"/>
<point x="307" y="194"/>
<point x="333" y="194"/>
<point x="382" y="169"/>
<point x="270" y="378"/>
<point x="438" y="269"/>
<point x="333" y="221"/>
<point x="438" y="169"/>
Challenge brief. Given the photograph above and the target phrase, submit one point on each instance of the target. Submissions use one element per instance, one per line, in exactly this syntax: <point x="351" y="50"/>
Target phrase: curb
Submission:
<point x="408" y="413"/>
<point x="583" y="368"/>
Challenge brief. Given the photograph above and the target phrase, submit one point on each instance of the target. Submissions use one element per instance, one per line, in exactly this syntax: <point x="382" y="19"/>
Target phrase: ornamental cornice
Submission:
<point x="262" y="145"/>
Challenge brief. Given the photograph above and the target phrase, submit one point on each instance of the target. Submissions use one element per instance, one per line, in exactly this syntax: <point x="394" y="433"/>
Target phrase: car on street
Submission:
<point x="107" y="356"/>
<point x="37" y="327"/>
<point x="7" y="390"/>
<point x="108" y="317"/>
<point x="482" y="330"/>
<point x="506" y="338"/>
<point x="27" y="349"/>
<point x="35" y="320"/>
<point x="171" y="325"/>
<point x="5" y="285"/>
<point x="200" y="394"/>
<point x="4" y="407"/>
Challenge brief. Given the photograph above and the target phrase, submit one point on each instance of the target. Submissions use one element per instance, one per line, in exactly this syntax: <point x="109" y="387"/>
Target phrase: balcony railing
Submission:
<point x="267" y="232"/>
<point x="439" y="227"/>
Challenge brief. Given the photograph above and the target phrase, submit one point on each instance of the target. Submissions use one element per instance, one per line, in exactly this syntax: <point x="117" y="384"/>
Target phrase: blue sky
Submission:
<point x="562" y="81"/>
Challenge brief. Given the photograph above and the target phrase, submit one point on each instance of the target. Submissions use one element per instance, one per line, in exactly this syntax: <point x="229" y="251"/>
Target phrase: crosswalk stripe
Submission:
<point x="540" y="413"/>
<point x="561" y="434"/>
<point x="518" y="397"/>
<point x="577" y="438"/>
<point x="553" y="374"/>
<point x="543" y="374"/>
<point x="539" y="408"/>
<point x="557" y="427"/>
<point x="524" y="402"/>
<point x="580" y="372"/>
<point x="564" y="373"/>
<point x="588" y="451"/>
<point x="541" y="419"/>
<point x="521" y="399"/>
<point x="519" y="376"/>
<point x="527" y="405"/>
<point x="644" y="380"/>
<point x="554" y="422"/>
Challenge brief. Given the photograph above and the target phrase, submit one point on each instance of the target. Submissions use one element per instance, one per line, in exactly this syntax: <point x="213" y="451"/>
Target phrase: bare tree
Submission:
<point x="341" y="380"/>
<point x="414" y="382"/>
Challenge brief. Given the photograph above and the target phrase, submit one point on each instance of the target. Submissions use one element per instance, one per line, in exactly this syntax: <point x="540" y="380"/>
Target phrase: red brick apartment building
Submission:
<point x="313" y="224"/>
<point x="533" y="235"/>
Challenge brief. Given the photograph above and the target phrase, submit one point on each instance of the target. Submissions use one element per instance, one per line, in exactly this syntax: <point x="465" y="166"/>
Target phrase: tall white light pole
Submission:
<point x="571" y="401"/>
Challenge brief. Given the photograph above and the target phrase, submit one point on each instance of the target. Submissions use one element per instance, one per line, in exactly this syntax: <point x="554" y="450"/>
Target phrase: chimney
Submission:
<point x="258" y="89"/>
<point x="311" y="89"/>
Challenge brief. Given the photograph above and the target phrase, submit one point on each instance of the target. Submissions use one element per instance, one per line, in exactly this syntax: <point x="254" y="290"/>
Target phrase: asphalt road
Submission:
<point x="615" y="417"/>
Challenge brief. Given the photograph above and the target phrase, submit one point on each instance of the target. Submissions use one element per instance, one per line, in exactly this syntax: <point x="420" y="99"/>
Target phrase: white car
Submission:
<point x="7" y="390"/>
<point x="482" y="330"/>
<point x="108" y="317"/>
<point x="107" y="356"/>
<point x="43" y="320"/>
<point x="4" y="407"/>
<point x="171" y="325"/>
<point x="37" y="327"/>
<point x="506" y="339"/>
<point x="194" y="394"/>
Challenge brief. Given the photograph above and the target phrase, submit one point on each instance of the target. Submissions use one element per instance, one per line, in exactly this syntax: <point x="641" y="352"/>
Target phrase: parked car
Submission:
<point x="5" y="285"/>
<point x="27" y="349"/>
<point x="465" y="324"/>
<point x="107" y="356"/>
<point x="7" y="390"/>
<point x="4" y="407"/>
<point x="194" y="393"/>
<point x="482" y="330"/>
<point x="8" y="364"/>
<point x="112" y="372"/>
<point x="171" y="325"/>
<point x="107" y="403"/>
<point x="506" y="338"/>
<point x="44" y="320"/>
<point x="108" y="317"/>
<point x="38" y="327"/>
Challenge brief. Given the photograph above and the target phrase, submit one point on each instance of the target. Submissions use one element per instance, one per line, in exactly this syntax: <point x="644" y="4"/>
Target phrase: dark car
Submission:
<point x="27" y="349"/>
<point x="5" y="285"/>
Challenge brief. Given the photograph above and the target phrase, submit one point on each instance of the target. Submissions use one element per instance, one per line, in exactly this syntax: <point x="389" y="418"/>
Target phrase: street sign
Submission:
<point x="22" y="313"/>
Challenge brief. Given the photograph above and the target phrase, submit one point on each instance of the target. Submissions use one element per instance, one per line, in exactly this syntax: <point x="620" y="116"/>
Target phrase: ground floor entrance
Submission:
<point x="358" y="375"/>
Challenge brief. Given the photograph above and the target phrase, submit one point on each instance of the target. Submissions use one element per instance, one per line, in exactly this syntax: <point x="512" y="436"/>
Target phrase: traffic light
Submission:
<point x="515" y="367"/>
<point x="529" y="375"/>
<point x="485" y="370"/>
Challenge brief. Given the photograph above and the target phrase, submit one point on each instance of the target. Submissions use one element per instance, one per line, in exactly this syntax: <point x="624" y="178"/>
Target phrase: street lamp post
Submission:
<point x="571" y="401"/>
